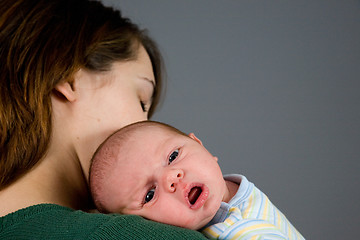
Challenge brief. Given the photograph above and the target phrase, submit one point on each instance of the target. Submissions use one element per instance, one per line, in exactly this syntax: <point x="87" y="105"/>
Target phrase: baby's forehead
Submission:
<point x="142" y="139"/>
<point x="149" y="130"/>
<point x="131" y="140"/>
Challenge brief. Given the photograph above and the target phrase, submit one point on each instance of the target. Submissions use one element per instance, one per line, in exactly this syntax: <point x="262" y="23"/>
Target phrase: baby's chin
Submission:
<point x="197" y="224"/>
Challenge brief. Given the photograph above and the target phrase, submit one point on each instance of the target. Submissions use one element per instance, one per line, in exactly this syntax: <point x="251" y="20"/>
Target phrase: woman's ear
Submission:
<point x="65" y="90"/>
<point x="192" y="135"/>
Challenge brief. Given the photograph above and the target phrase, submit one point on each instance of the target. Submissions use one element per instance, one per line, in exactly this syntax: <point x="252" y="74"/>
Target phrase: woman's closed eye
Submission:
<point x="173" y="156"/>
<point x="145" y="93"/>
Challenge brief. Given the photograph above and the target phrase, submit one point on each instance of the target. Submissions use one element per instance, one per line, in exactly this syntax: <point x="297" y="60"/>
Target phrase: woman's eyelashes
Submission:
<point x="173" y="155"/>
<point x="144" y="106"/>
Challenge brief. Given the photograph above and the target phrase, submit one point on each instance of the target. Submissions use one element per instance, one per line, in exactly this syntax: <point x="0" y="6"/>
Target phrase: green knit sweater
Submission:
<point x="49" y="221"/>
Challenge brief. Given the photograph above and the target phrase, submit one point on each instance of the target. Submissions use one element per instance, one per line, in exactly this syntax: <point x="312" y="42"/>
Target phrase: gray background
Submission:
<point x="272" y="89"/>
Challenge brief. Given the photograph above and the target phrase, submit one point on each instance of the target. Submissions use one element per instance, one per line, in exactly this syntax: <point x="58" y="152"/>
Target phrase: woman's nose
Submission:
<point x="172" y="178"/>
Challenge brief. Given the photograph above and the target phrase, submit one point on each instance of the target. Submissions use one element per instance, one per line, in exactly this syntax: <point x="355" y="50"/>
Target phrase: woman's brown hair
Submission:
<point x="44" y="42"/>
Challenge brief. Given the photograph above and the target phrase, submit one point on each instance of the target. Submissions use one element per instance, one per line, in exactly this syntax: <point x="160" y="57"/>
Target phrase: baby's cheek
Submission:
<point x="194" y="222"/>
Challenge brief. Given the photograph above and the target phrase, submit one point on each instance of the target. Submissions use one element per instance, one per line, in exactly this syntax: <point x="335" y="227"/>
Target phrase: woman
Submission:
<point x="71" y="72"/>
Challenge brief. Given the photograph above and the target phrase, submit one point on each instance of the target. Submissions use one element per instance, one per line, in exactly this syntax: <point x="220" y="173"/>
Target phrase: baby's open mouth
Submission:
<point x="194" y="194"/>
<point x="197" y="195"/>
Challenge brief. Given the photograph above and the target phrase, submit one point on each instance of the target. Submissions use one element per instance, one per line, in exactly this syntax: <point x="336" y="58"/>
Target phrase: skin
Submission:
<point x="85" y="111"/>
<point x="145" y="167"/>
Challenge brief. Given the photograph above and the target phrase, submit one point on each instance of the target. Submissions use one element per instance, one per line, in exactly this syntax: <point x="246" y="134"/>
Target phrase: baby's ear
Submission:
<point x="192" y="135"/>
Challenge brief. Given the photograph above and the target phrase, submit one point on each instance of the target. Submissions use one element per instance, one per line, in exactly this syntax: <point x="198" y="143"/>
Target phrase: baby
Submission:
<point x="154" y="170"/>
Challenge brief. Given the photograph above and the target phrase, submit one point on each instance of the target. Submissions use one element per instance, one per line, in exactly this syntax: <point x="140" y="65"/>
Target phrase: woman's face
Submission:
<point x="110" y="100"/>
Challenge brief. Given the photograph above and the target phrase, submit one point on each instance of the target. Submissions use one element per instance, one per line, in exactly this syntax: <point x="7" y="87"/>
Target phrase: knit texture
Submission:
<point x="49" y="221"/>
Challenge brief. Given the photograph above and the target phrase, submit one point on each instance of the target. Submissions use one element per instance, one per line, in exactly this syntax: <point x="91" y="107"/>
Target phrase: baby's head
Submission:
<point x="153" y="170"/>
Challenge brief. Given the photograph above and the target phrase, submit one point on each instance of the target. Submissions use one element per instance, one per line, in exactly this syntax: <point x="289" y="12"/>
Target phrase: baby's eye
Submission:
<point x="149" y="196"/>
<point x="173" y="155"/>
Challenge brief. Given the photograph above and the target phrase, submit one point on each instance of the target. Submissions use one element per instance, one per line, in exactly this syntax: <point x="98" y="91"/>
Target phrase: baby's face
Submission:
<point x="169" y="178"/>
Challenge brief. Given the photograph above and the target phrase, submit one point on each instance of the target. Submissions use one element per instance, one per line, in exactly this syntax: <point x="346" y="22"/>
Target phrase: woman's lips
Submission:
<point x="196" y="195"/>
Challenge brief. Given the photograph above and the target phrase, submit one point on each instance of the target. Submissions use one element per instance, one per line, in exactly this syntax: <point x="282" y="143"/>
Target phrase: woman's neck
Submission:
<point x="53" y="180"/>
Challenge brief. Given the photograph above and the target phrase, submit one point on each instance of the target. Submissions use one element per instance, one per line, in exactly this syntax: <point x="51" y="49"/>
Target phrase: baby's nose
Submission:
<point x="172" y="179"/>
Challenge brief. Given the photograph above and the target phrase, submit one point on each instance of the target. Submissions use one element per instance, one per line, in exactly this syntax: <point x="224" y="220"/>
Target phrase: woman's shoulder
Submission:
<point x="50" y="221"/>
